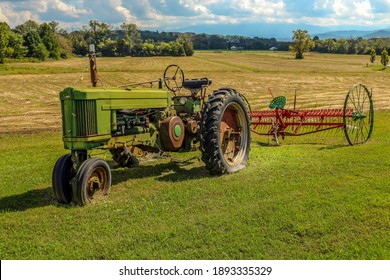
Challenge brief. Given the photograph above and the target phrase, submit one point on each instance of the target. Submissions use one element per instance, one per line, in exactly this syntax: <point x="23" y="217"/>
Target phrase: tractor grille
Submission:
<point x="85" y="117"/>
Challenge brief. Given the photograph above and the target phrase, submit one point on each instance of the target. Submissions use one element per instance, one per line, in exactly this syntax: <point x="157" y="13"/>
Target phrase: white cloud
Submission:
<point x="125" y="13"/>
<point x="340" y="8"/>
<point x="351" y="9"/>
<point x="12" y="17"/>
<point x="343" y="12"/>
<point x="261" y="7"/>
<point x="197" y="6"/>
<point x="321" y="4"/>
<point x="18" y="12"/>
<point x="67" y="9"/>
<point x="364" y="9"/>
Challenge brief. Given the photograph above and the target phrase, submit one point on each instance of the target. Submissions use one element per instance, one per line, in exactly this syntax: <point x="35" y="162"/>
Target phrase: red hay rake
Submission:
<point x="356" y="118"/>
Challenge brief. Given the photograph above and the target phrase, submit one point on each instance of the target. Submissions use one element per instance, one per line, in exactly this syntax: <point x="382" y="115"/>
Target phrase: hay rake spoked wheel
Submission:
<point x="358" y="115"/>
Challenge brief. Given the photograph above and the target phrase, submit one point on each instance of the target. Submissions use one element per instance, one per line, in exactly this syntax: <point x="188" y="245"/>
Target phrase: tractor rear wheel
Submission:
<point x="225" y="132"/>
<point x="63" y="172"/>
<point x="92" y="179"/>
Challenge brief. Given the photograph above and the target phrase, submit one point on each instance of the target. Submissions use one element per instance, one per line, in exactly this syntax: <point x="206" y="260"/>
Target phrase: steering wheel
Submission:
<point x="173" y="78"/>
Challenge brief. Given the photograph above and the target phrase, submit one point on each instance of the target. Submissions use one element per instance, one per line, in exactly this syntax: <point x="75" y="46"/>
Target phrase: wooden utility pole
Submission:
<point x="92" y="65"/>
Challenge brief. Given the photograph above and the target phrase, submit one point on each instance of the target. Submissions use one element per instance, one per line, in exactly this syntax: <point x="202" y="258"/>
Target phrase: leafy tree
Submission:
<point x="131" y="39"/>
<point x="4" y="40"/>
<point x="201" y="42"/>
<point x="35" y="46"/>
<point x="157" y="36"/>
<point x="341" y="46"/>
<point x="372" y="55"/>
<point x="301" y="44"/>
<point x="165" y="49"/>
<point x="47" y="32"/>
<point x="257" y="45"/>
<point x="384" y="57"/>
<point x="27" y="26"/>
<point x="186" y="41"/>
<point x="330" y="45"/>
<point x="352" y="46"/>
<point x="78" y="42"/>
<point x="98" y="34"/>
<point x="378" y="45"/>
<point x="148" y="49"/>
<point x="178" y="49"/>
<point x="122" y="48"/>
<point x="65" y="45"/>
<point x="217" y="42"/>
<point x="362" y="46"/>
<point x="109" y="48"/>
<point x="16" y="47"/>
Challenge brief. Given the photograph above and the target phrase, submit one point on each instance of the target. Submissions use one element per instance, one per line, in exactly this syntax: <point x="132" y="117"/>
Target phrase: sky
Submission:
<point x="206" y="16"/>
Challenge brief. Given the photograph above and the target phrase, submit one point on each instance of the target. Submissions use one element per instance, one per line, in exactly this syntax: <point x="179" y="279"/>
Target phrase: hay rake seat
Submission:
<point x="356" y="118"/>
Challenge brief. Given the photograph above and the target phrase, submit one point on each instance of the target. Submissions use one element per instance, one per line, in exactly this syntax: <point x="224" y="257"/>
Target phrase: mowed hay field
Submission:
<point x="29" y="92"/>
<point x="296" y="201"/>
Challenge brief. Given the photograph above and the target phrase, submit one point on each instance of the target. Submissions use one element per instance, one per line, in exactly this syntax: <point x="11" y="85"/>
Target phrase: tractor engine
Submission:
<point x="133" y="121"/>
<point x="170" y="127"/>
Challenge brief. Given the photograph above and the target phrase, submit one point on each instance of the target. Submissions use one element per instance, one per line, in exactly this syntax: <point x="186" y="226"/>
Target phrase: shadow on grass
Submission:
<point x="326" y="147"/>
<point x="333" y="147"/>
<point x="31" y="199"/>
<point x="263" y="144"/>
<point x="173" y="171"/>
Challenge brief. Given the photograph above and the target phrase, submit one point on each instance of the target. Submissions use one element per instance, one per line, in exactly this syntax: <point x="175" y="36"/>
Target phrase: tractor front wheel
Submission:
<point x="225" y="132"/>
<point x="63" y="172"/>
<point x="92" y="179"/>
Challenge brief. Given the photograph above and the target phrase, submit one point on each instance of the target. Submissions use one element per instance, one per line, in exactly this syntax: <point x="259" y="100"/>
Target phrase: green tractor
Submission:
<point x="133" y="121"/>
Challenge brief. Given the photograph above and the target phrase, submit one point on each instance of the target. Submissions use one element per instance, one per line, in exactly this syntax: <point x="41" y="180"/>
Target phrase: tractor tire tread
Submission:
<point x="209" y="129"/>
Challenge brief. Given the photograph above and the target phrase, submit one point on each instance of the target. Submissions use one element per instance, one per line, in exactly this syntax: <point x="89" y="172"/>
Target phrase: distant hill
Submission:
<point x="384" y="33"/>
<point x="280" y="31"/>
<point x="283" y="31"/>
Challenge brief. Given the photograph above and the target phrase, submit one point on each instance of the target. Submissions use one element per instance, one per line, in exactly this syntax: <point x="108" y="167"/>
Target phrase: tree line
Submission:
<point x="46" y="40"/>
<point x="351" y="45"/>
<point x="32" y="40"/>
<point x="42" y="41"/>
<point x="127" y="41"/>
<point x="302" y="43"/>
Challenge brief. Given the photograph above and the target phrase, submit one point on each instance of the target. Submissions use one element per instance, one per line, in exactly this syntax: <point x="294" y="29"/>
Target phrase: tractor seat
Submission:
<point x="196" y="83"/>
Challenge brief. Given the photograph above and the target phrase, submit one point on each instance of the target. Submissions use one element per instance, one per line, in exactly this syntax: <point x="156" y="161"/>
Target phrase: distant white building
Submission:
<point x="273" y="48"/>
<point x="234" y="48"/>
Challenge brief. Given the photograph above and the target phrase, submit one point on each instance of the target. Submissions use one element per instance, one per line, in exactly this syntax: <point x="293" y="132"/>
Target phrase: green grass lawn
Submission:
<point x="296" y="201"/>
